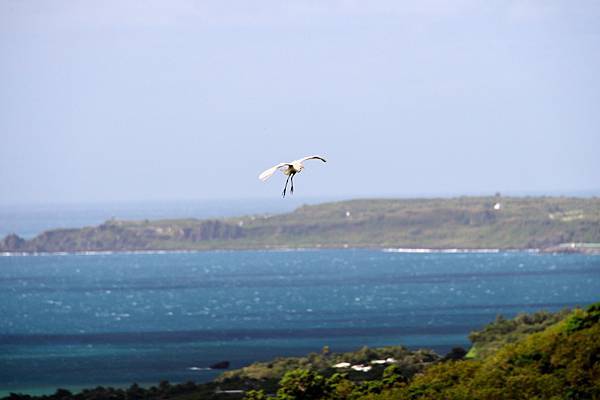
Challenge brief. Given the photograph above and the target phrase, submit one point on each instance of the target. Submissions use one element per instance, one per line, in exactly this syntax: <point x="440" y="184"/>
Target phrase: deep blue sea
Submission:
<point x="112" y="319"/>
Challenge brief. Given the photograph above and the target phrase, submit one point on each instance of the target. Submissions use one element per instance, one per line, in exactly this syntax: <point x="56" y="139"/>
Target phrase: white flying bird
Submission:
<point x="290" y="169"/>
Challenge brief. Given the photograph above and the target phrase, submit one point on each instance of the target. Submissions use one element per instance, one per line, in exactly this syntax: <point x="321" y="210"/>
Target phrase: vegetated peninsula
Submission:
<point x="556" y="223"/>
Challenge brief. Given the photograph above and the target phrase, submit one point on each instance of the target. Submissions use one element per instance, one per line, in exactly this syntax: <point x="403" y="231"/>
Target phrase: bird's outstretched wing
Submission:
<point x="269" y="172"/>
<point x="311" y="158"/>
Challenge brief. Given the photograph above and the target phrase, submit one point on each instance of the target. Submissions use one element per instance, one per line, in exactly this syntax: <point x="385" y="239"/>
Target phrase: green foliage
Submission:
<point x="558" y="362"/>
<point x="165" y="390"/>
<point x="255" y="395"/>
<point x="503" y="331"/>
<point x="548" y="356"/>
<point x="339" y="387"/>
<point x="582" y="320"/>
<point x="302" y="385"/>
<point x="440" y="380"/>
<point x="272" y="371"/>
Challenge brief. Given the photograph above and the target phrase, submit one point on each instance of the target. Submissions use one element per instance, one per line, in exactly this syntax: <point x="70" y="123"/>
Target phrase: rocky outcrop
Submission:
<point x="126" y="236"/>
<point x="213" y="230"/>
<point x="220" y="365"/>
<point x="12" y="243"/>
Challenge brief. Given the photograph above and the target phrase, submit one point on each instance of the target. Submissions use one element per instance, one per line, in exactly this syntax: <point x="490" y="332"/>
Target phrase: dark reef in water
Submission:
<point x="220" y="365"/>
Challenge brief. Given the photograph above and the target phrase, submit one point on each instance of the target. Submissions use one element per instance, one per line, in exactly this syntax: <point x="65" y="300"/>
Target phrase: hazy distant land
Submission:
<point x="461" y="223"/>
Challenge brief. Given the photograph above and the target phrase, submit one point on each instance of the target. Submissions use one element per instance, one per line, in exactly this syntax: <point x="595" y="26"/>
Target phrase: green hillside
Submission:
<point x="533" y="356"/>
<point x="560" y="362"/>
<point x="541" y="355"/>
<point x="464" y="222"/>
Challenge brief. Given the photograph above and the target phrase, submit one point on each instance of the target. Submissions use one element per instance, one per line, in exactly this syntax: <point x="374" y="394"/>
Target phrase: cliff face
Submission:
<point x="465" y="222"/>
<point x="117" y="235"/>
<point x="12" y="242"/>
<point x="211" y="230"/>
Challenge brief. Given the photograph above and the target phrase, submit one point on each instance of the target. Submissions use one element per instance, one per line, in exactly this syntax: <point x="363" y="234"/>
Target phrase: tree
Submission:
<point x="255" y="395"/>
<point x="301" y="384"/>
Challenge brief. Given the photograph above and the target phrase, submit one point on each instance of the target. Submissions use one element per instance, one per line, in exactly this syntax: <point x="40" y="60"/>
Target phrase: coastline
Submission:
<point x="278" y="249"/>
<point x="552" y="250"/>
<point x="75" y="388"/>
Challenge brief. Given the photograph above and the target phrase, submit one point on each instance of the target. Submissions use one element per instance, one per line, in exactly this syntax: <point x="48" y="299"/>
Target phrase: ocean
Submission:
<point x="78" y="320"/>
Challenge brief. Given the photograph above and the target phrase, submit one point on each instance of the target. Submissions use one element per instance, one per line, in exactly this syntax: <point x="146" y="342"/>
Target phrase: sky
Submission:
<point x="124" y="100"/>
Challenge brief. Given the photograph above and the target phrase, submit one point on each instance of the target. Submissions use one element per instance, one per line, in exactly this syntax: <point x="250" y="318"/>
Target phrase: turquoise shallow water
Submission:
<point x="113" y="319"/>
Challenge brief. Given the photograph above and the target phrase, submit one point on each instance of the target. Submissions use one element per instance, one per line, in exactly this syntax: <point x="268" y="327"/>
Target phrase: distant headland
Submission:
<point x="558" y="224"/>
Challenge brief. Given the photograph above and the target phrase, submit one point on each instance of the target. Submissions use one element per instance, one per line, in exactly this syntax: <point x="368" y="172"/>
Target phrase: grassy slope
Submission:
<point x="504" y="331"/>
<point x="465" y="222"/>
<point x="468" y="222"/>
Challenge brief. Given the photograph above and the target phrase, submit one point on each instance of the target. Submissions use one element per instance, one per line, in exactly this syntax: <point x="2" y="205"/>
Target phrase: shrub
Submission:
<point x="301" y="384"/>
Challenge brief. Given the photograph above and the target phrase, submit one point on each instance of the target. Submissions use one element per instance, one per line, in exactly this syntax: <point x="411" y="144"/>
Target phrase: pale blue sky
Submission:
<point x="159" y="100"/>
